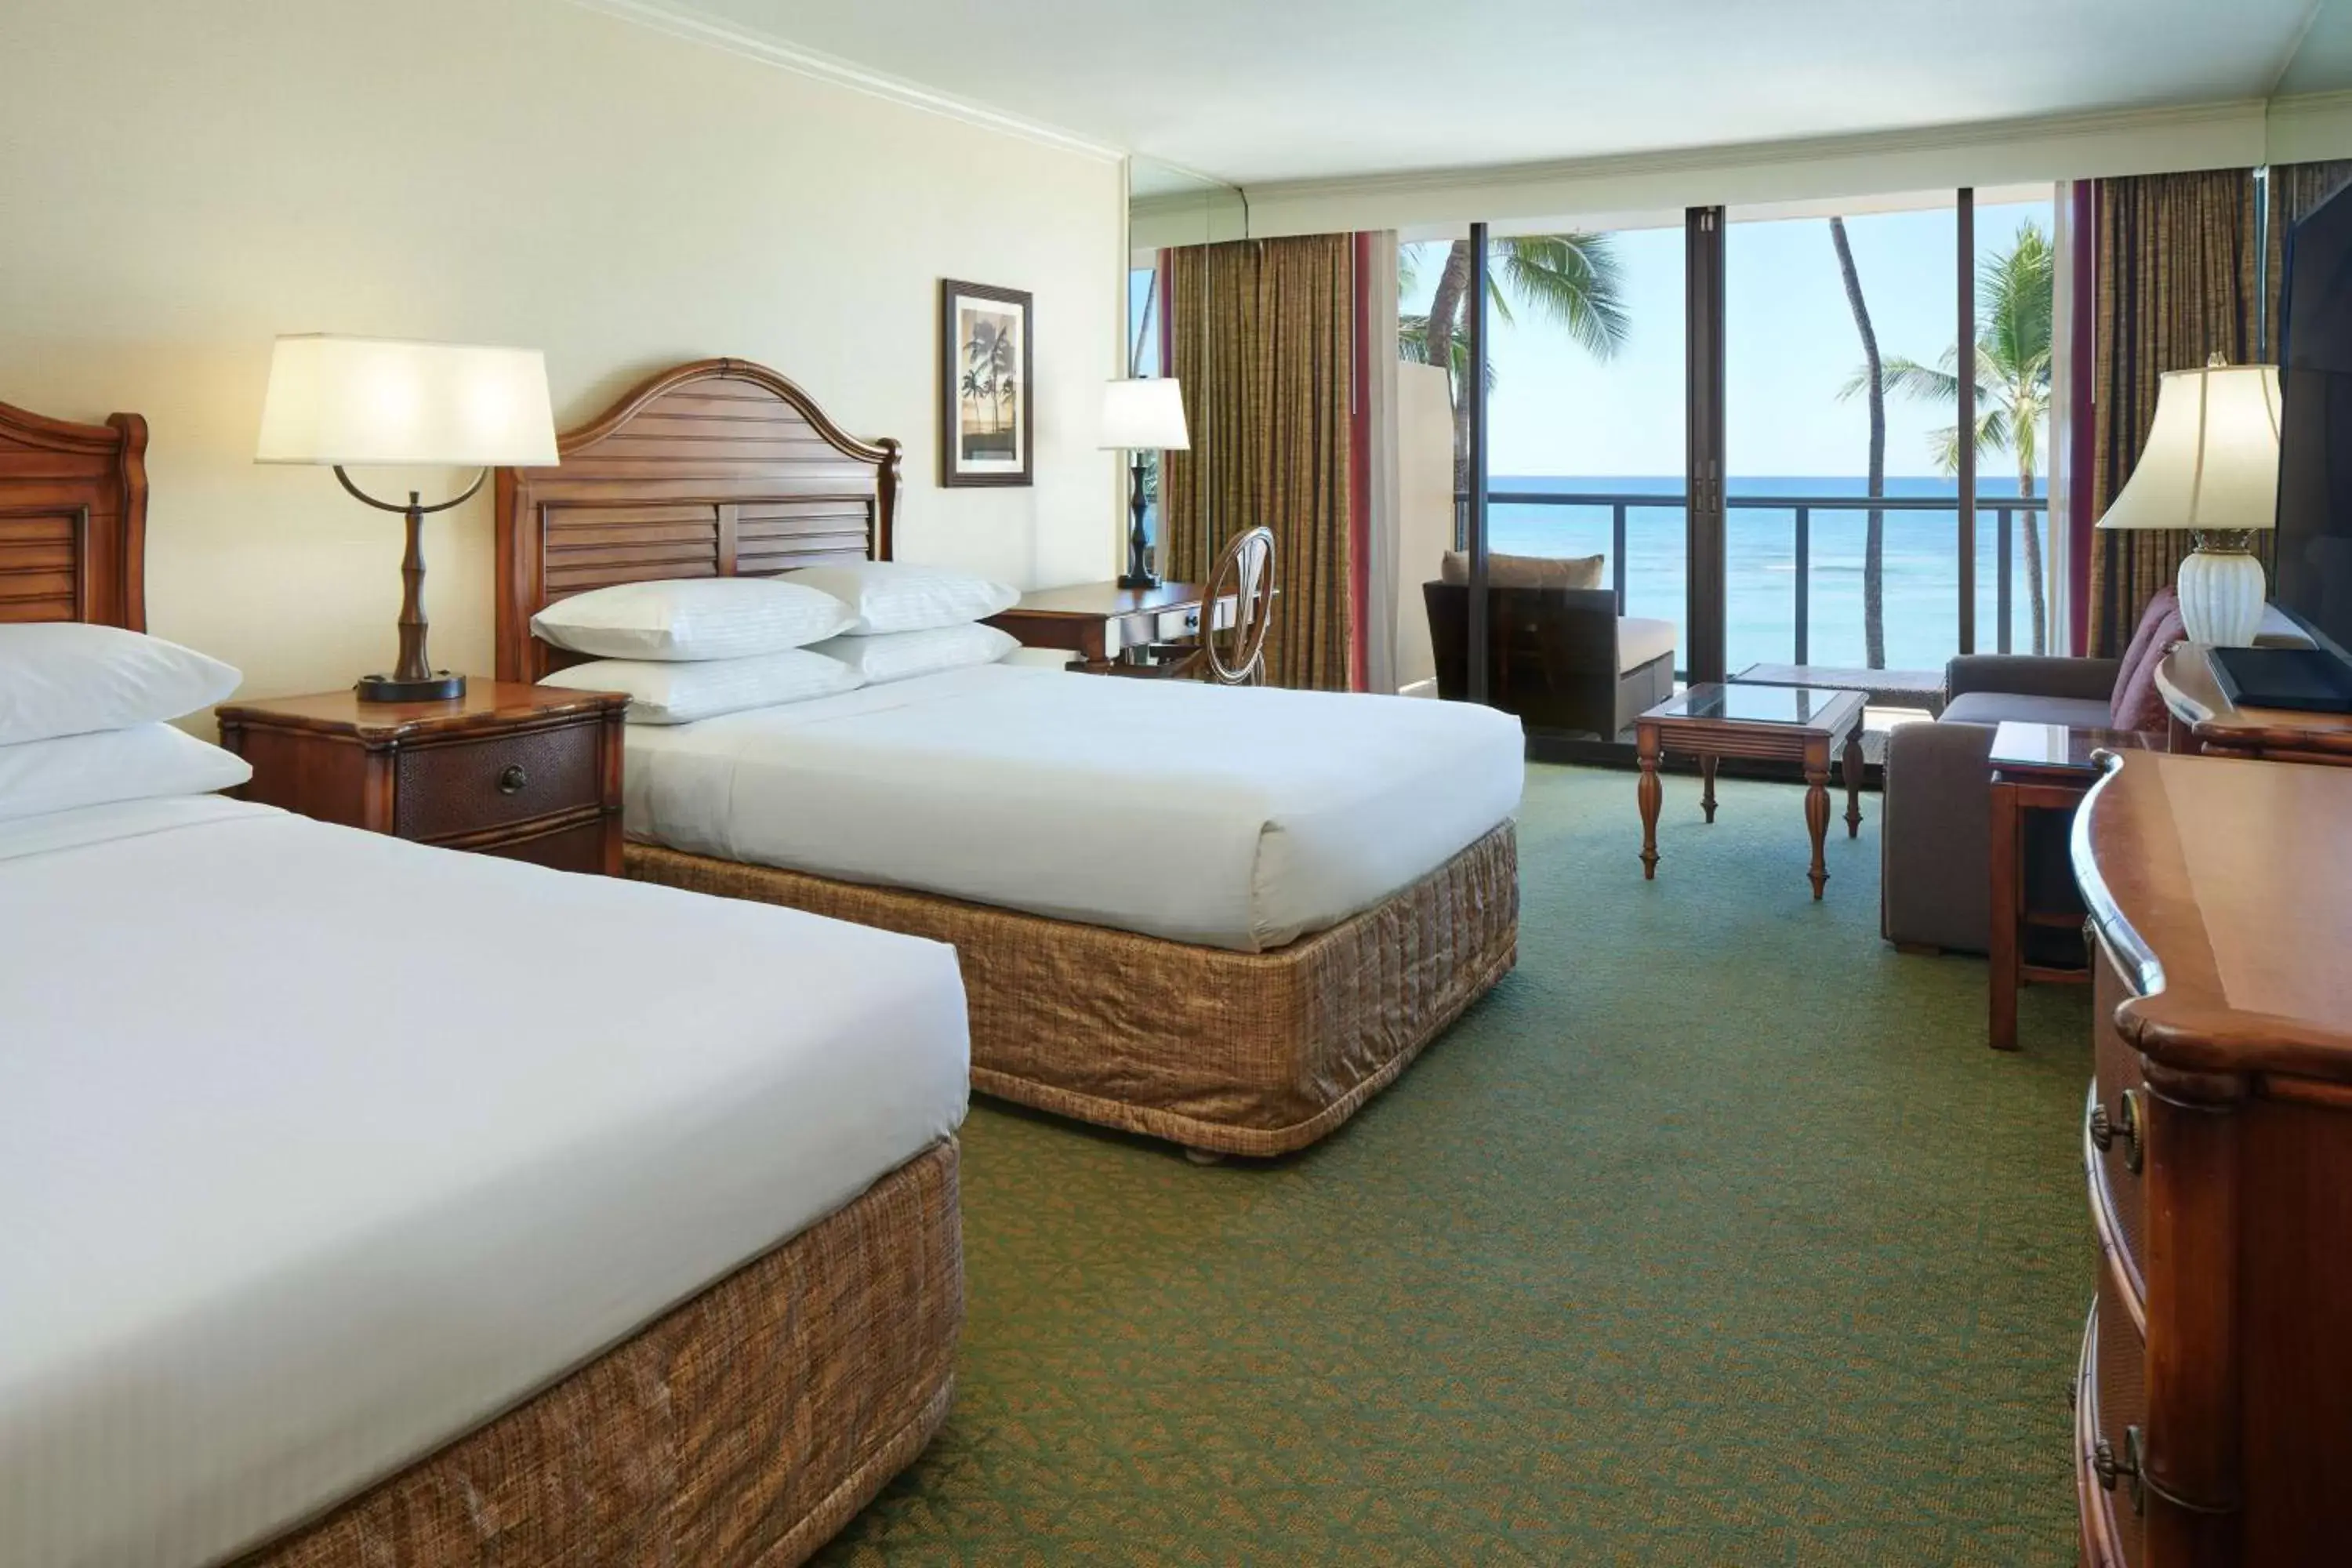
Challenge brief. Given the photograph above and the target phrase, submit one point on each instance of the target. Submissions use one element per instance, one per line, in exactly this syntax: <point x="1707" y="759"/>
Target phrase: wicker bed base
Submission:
<point x="1228" y="1053"/>
<point x="744" y="1428"/>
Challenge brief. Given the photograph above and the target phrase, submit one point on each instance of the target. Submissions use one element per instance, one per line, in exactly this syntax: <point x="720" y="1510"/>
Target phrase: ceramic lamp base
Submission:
<point x="2221" y="590"/>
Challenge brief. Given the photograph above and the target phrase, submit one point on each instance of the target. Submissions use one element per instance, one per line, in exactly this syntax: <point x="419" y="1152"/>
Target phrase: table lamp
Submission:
<point x="381" y="401"/>
<point x="1142" y="416"/>
<point x="2210" y="466"/>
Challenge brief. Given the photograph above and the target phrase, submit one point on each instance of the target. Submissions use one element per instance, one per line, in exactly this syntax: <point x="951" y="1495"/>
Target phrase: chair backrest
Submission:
<point x="1234" y="655"/>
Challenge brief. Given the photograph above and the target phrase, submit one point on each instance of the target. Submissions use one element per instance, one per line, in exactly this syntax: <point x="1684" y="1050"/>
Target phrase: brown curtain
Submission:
<point x="2176" y="281"/>
<point x="2294" y="190"/>
<point x="1262" y="333"/>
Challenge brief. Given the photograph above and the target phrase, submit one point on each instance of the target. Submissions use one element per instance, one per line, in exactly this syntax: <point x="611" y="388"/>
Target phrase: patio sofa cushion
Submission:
<point x="1526" y="571"/>
<point x="1640" y="640"/>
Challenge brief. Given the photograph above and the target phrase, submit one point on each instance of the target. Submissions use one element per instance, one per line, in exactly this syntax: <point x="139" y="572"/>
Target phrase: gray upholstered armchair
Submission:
<point x="1936" y="813"/>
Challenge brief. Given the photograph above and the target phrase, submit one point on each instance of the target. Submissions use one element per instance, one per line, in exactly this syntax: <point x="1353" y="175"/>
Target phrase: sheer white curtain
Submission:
<point x="1383" y="509"/>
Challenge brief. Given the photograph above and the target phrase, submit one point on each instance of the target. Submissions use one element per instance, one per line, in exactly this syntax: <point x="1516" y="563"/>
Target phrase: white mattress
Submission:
<point x="318" y="1148"/>
<point x="1235" y="817"/>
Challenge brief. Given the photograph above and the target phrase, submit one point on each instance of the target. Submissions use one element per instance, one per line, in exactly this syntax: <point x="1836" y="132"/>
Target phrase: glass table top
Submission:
<point x="1758" y="704"/>
<point x="2069" y="747"/>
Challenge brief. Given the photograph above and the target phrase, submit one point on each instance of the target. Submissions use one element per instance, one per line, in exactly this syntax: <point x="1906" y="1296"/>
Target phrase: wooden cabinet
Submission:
<point x="2213" y="1406"/>
<point x="528" y="772"/>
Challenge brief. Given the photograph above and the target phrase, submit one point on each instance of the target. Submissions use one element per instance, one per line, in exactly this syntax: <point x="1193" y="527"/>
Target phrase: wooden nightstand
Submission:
<point x="531" y="773"/>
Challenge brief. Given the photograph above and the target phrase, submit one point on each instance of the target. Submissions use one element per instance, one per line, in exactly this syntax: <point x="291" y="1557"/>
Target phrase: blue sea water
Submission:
<point x="1921" y="564"/>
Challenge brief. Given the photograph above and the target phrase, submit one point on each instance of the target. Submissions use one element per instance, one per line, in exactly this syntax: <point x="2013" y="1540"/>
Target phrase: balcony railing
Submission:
<point x="2004" y="509"/>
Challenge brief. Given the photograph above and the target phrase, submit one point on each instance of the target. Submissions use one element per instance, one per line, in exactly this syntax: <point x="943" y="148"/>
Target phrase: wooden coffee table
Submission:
<point x="1782" y="723"/>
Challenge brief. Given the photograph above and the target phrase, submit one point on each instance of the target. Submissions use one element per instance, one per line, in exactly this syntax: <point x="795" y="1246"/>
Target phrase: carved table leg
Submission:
<point x="1649" y="792"/>
<point x="1706" y="785"/>
<point x="1853" y="780"/>
<point x="1817" y="815"/>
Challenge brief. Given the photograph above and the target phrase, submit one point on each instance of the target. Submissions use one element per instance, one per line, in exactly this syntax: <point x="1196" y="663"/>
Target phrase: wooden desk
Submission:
<point x="2205" y="721"/>
<point x="1101" y="621"/>
<point x="2035" y="767"/>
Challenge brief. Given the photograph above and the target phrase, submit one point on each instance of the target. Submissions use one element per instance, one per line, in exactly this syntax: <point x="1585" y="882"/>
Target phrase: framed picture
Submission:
<point x="985" y="387"/>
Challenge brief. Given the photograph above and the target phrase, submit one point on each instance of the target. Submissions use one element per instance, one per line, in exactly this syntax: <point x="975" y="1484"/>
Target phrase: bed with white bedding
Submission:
<point x="1237" y="818"/>
<point x="1225" y="917"/>
<point x="285" y="1213"/>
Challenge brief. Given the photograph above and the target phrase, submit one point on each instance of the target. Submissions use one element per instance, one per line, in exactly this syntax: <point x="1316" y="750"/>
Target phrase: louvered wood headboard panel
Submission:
<point x="73" y="520"/>
<point x="721" y="468"/>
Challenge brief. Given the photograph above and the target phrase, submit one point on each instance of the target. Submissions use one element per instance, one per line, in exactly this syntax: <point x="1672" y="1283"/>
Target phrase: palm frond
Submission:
<point x="1572" y="279"/>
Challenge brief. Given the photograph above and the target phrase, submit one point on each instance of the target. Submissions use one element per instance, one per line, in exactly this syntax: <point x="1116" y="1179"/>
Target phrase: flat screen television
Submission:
<point x="2312" y="577"/>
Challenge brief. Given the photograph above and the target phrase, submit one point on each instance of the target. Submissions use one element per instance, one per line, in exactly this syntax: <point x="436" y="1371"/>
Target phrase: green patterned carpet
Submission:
<point x="1715" y="1235"/>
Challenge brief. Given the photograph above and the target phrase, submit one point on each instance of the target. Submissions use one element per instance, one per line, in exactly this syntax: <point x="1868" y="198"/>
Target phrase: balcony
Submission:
<point x="1794" y="573"/>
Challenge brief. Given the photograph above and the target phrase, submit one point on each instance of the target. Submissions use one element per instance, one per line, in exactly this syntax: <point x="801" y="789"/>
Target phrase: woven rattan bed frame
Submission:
<point x="1226" y="1053"/>
<point x="744" y="1427"/>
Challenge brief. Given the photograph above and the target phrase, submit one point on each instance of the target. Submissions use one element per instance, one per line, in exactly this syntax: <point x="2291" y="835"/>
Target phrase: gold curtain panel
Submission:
<point x="2176" y="281"/>
<point x="1262" y="333"/>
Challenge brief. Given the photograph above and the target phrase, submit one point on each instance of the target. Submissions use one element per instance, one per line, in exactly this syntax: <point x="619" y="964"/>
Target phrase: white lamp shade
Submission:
<point x="370" y="401"/>
<point x="1144" y="415"/>
<point x="2212" y="454"/>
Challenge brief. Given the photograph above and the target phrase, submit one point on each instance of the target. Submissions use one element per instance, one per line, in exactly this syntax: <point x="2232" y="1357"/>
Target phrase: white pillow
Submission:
<point x="675" y="693"/>
<point x="902" y="656"/>
<point x="68" y="678"/>
<point x="695" y="617"/>
<point x="137" y="763"/>
<point x="893" y="596"/>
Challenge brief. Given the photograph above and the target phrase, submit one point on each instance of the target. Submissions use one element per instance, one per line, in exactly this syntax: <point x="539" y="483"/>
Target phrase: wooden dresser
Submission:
<point x="2214" y="1410"/>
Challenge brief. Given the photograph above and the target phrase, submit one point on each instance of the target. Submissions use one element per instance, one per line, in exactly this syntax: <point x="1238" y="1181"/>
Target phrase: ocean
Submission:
<point x="1921" y="564"/>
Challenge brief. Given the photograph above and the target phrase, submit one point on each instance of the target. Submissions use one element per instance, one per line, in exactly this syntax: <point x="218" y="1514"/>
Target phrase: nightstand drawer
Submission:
<point x="581" y="846"/>
<point x="465" y="786"/>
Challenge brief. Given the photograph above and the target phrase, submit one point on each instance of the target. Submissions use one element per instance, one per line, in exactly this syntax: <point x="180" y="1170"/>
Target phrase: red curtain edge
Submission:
<point x="1360" y="472"/>
<point x="2081" y="441"/>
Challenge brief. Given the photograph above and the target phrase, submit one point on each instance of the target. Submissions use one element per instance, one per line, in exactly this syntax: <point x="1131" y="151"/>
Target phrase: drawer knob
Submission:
<point x="2124" y="1125"/>
<point x="512" y="781"/>
<point x="2111" y="1469"/>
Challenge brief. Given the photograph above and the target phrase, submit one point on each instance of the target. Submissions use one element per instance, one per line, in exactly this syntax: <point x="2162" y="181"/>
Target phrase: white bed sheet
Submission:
<point x="318" y="1148"/>
<point x="1233" y="817"/>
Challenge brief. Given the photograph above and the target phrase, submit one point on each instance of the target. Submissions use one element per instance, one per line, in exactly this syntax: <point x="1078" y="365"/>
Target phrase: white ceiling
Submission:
<point x="1258" y="90"/>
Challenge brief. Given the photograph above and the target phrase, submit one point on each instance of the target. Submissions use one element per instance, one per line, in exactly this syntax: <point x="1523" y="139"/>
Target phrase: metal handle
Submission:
<point x="2125" y="1124"/>
<point x="2110" y="1470"/>
<point x="511" y="780"/>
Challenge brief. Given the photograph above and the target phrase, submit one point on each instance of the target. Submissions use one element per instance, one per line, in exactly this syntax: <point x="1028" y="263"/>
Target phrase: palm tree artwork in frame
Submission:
<point x="985" y="385"/>
<point x="2017" y="293"/>
<point x="1572" y="281"/>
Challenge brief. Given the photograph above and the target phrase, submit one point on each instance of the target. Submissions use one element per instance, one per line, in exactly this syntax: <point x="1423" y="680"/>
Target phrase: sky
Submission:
<point x="1790" y="345"/>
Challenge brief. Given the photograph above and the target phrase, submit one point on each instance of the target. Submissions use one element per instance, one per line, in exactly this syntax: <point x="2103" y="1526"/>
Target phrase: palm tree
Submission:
<point x="2018" y="290"/>
<point x="1872" y="375"/>
<point x="1571" y="279"/>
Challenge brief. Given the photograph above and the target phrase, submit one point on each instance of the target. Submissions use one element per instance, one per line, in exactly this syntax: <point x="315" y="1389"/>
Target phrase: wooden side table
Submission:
<point x="1799" y="724"/>
<point x="531" y="773"/>
<point x="2035" y="767"/>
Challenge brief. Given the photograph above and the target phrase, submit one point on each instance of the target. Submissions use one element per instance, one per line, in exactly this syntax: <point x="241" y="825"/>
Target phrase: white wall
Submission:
<point x="181" y="182"/>
<point x="1424" y="508"/>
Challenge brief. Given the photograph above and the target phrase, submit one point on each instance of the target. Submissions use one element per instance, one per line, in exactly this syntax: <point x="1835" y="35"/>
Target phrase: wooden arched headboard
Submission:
<point x="73" y="520"/>
<point x="721" y="468"/>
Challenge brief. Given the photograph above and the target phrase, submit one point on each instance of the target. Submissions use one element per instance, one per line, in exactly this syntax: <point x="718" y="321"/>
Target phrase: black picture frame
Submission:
<point x="988" y="434"/>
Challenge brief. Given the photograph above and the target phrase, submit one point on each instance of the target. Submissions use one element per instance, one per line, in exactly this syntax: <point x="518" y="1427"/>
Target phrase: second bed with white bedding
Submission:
<point x="1232" y="817"/>
<point x="318" y="1148"/>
